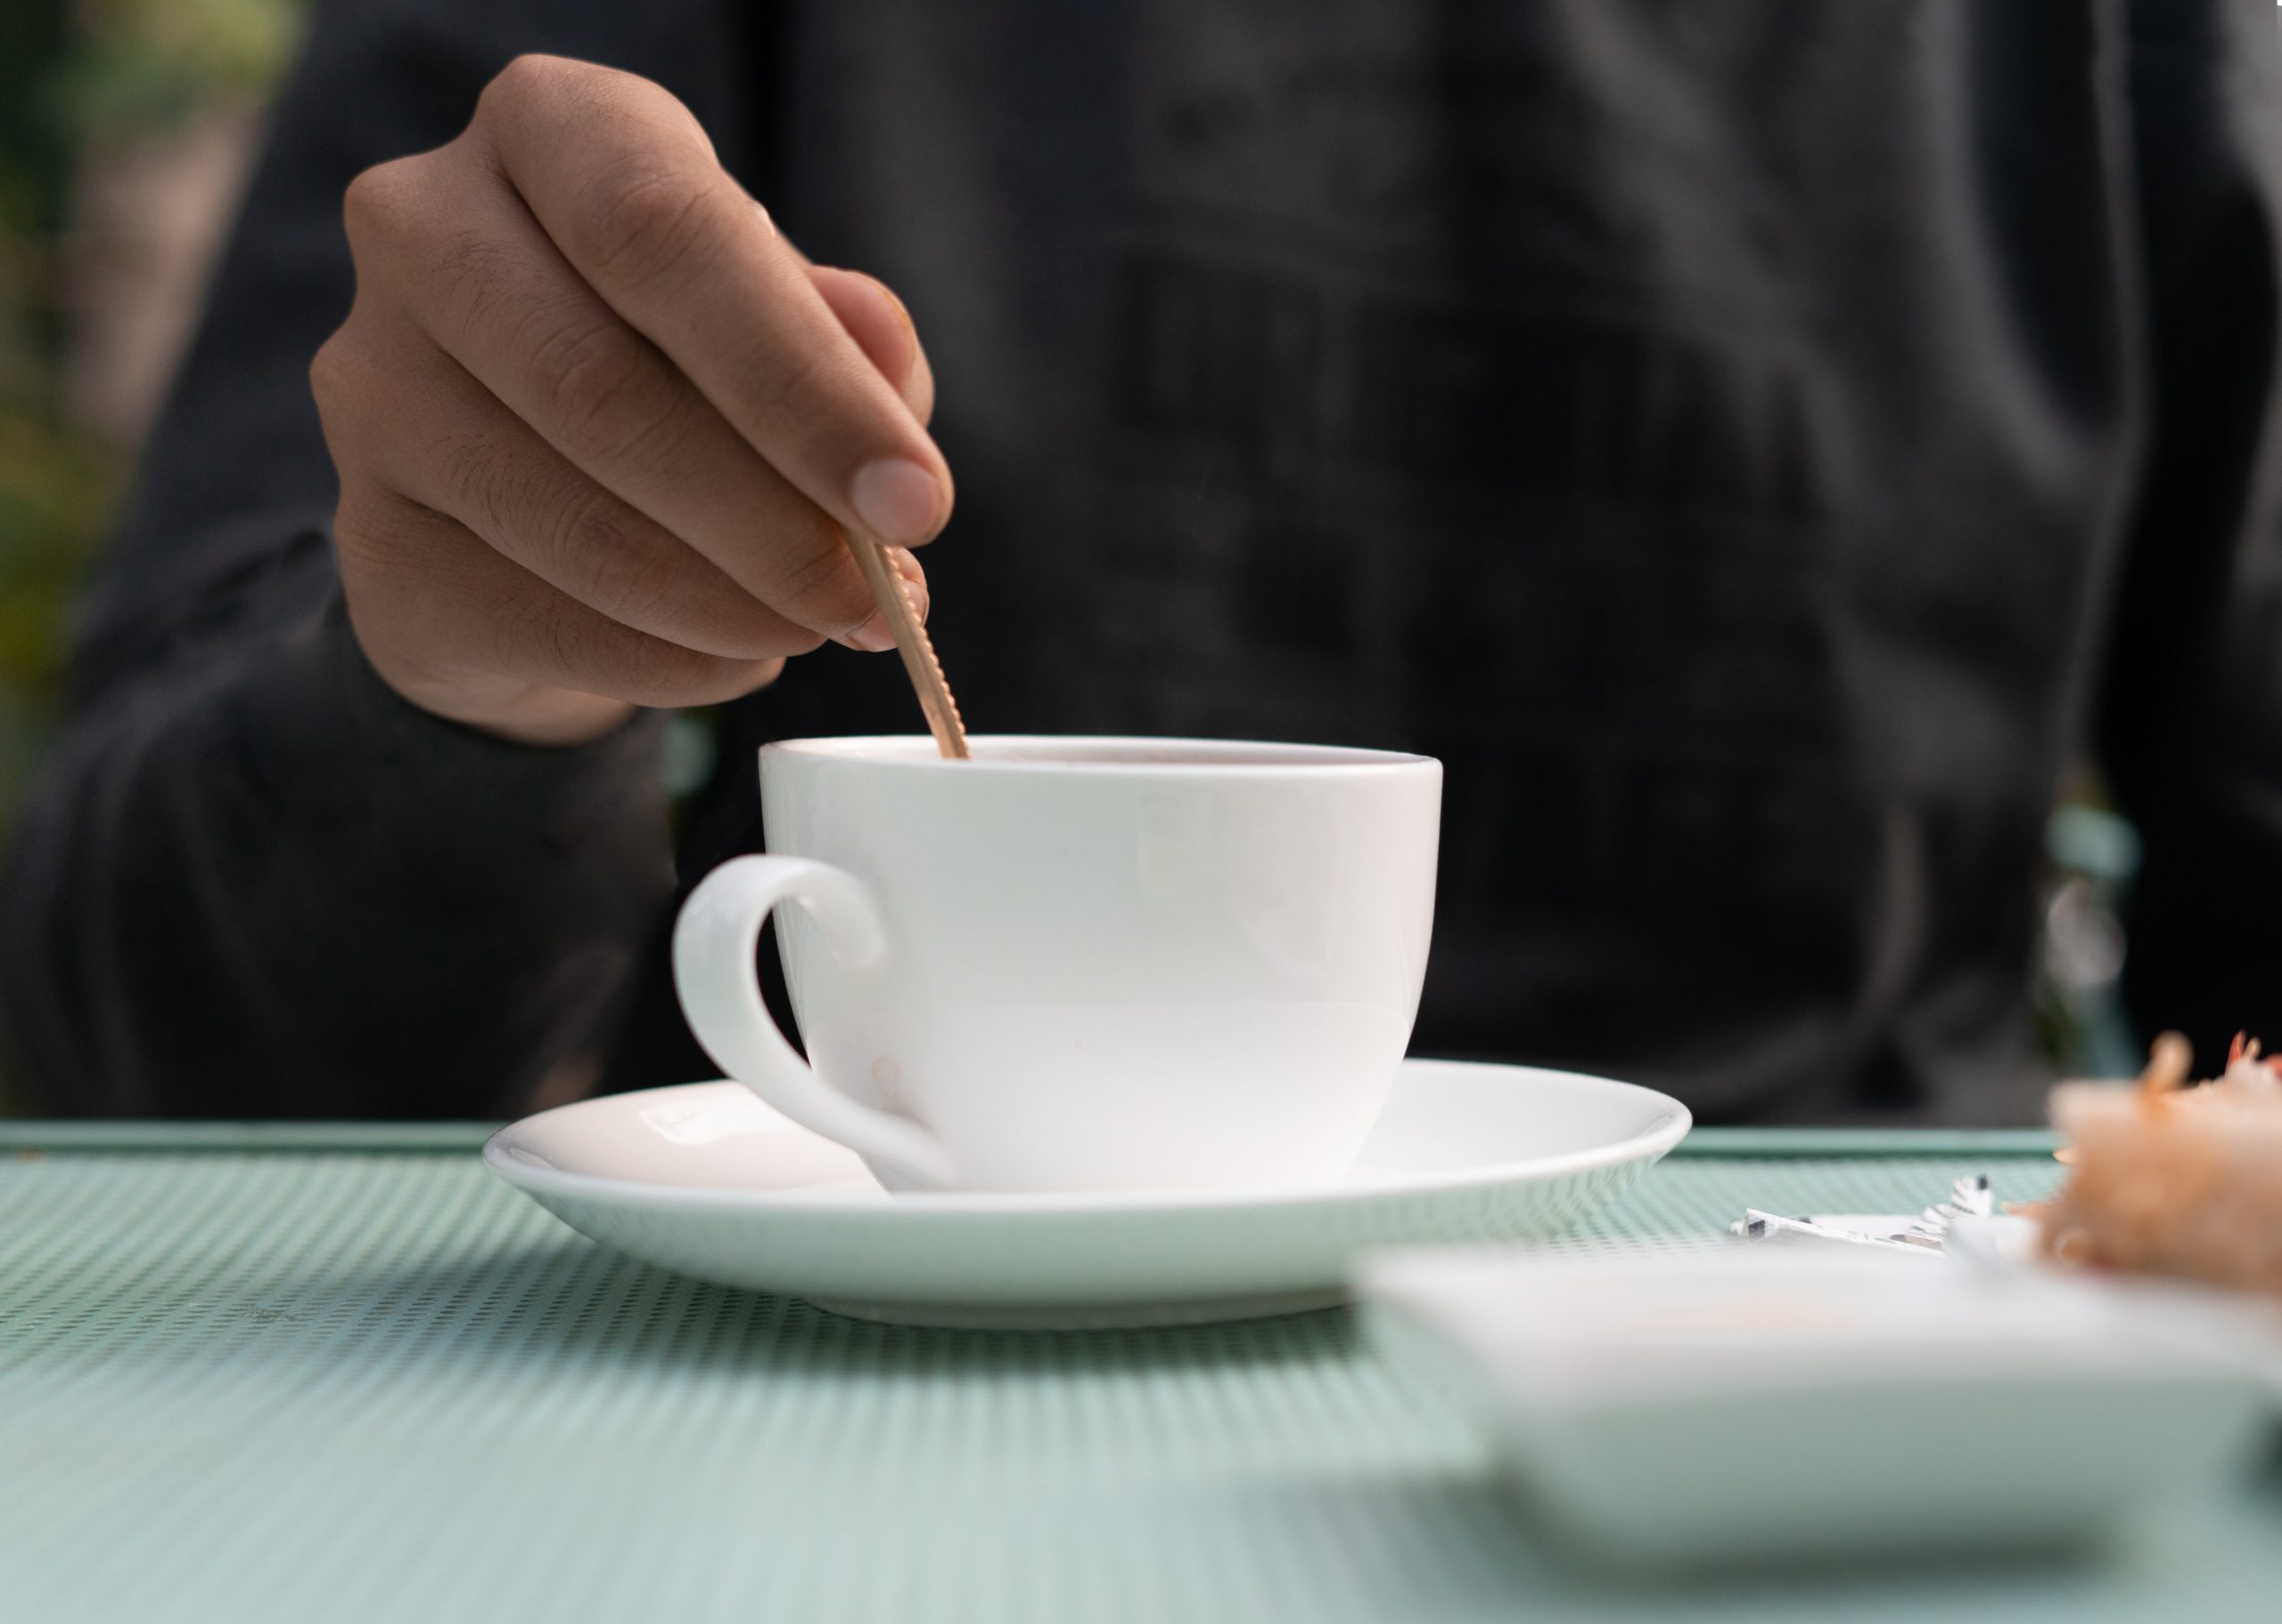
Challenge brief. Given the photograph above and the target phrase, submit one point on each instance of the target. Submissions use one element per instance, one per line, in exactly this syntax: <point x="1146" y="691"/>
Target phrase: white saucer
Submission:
<point x="705" y="1180"/>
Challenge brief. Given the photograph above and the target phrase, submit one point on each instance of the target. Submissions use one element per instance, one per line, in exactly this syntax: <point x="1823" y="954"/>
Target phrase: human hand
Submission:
<point x="598" y="425"/>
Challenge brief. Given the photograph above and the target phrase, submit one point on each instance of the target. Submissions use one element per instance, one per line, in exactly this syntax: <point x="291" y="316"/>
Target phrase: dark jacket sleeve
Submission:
<point x="2193" y="712"/>
<point x="254" y="882"/>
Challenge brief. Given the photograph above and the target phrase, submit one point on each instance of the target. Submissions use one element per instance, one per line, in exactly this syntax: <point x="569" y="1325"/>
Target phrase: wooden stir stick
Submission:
<point x="911" y="641"/>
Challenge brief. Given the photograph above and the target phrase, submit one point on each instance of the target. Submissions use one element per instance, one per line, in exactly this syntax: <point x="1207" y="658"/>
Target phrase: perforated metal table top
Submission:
<point x="345" y="1374"/>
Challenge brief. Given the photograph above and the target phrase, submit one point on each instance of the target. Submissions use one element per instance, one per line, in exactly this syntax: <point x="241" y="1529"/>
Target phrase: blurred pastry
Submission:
<point x="2167" y="1177"/>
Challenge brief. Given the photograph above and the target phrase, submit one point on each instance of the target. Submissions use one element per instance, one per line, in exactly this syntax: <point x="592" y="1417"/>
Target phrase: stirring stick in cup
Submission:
<point x="911" y="642"/>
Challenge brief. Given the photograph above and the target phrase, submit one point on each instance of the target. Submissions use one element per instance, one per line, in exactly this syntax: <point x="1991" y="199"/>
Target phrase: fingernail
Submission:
<point x="902" y="308"/>
<point x="873" y="636"/>
<point x="896" y="500"/>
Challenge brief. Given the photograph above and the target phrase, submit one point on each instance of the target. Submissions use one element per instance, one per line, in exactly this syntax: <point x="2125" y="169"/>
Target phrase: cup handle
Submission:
<point x="715" y="940"/>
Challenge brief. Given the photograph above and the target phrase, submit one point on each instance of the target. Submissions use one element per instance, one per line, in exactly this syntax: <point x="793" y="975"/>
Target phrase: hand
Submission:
<point x="598" y="426"/>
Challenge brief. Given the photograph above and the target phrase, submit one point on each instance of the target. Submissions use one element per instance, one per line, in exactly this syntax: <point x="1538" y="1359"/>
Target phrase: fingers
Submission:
<point x="455" y="450"/>
<point x="883" y="329"/>
<point x="460" y="627"/>
<point x="644" y="215"/>
<point x="502" y="303"/>
<point x="600" y="430"/>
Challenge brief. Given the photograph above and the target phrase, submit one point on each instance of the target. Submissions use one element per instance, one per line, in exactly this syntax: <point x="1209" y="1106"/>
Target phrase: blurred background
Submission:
<point x="126" y="130"/>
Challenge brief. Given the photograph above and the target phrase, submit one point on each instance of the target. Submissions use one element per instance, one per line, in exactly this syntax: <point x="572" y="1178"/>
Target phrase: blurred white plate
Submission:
<point x="1767" y="1402"/>
<point x="705" y="1180"/>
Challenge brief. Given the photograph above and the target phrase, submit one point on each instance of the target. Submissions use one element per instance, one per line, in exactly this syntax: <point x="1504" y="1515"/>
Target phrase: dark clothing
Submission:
<point x="1755" y="445"/>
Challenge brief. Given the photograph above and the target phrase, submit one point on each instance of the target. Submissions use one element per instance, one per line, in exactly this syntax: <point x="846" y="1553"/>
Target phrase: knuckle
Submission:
<point x="597" y="379"/>
<point x="378" y="202"/>
<point x="329" y="371"/>
<point x="559" y="524"/>
<point x="352" y="526"/>
<point x="529" y="78"/>
<point x="397" y="203"/>
<point x="568" y="648"/>
<point x="474" y="271"/>
<point x="627" y="573"/>
<point x="346" y="381"/>
<point x="474" y="475"/>
<point x="793" y="407"/>
<point x="642" y="577"/>
<point x="646" y="220"/>
<point x="652" y="671"/>
<point x="566" y="88"/>
<point x="378" y="546"/>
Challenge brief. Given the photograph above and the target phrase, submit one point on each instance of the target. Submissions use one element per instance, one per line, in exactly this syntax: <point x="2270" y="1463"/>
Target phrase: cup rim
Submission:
<point x="1184" y="757"/>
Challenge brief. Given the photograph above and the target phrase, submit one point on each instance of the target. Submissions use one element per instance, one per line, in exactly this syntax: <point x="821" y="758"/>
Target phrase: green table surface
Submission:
<point x="343" y="1373"/>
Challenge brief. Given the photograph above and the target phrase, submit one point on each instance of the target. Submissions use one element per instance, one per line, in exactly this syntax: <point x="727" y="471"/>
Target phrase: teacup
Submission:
<point x="1076" y="964"/>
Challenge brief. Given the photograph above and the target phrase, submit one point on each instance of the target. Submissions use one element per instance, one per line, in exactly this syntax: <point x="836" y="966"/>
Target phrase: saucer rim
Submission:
<point x="1646" y="1147"/>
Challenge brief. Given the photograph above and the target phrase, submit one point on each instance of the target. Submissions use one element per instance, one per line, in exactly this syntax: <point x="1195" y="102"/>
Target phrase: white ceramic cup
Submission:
<point x="1075" y="962"/>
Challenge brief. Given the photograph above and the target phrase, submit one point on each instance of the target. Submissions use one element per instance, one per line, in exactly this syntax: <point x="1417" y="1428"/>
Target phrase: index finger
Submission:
<point x="621" y="177"/>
